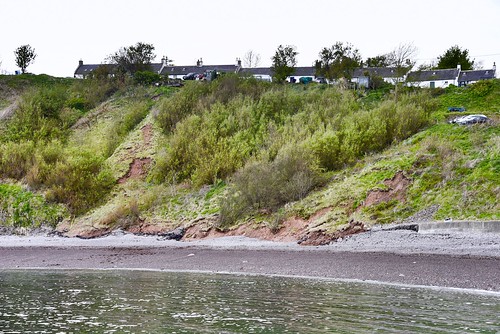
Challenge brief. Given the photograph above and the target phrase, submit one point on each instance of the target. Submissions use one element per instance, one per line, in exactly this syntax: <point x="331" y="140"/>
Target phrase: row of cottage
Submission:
<point x="427" y="78"/>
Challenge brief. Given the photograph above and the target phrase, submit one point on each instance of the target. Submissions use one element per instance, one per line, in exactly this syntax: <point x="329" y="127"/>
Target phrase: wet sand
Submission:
<point x="443" y="260"/>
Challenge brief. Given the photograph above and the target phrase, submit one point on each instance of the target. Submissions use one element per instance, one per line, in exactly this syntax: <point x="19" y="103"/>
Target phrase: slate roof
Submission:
<point x="87" y="69"/>
<point x="156" y="67"/>
<point x="299" y="71"/>
<point x="384" y="72"/>
<point x="305" y="71"/>
<point x="257" y="71"/>
<point x="183" y="70"/>
<point x="476" y="75"/>
<point x="433" y="75"/>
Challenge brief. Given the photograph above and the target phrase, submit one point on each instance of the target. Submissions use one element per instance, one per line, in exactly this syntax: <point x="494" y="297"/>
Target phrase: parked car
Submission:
<point x="459" y="109"/>
<point x="190" y="76"/>
<point x="470" y="119"/>
<point x="321" y="80"/>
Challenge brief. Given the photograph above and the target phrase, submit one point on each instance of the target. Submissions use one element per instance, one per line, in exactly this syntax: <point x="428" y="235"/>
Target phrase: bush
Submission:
<point x="37" y="117"/>
<point x="81" y="182"/>
<point x="146" y="78"/>
<point x="21" y="208"/>
<point x="265" y="186"/>
<point x="136" y="111"/>
<point x="16" y="159"/>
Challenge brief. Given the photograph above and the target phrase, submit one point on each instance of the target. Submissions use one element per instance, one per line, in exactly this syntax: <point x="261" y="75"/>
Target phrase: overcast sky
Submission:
<point x="65" y="31"/>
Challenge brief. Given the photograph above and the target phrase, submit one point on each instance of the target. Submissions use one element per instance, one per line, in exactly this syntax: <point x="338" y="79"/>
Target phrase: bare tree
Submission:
<point x="402" y="58"/>
<point x="251" y="59"/>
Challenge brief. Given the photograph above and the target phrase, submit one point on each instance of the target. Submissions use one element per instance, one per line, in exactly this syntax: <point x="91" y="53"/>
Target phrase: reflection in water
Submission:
<point x="159" y="302"/>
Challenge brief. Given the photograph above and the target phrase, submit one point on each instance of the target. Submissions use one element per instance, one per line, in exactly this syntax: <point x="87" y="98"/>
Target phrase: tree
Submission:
<point x="378" y="61"/>
<point x="402" y="58"/>
<point x="455" y="56"/>
<point x="25" y="55"/>
<point x="251" y="59"/>
<point x="338" y="61"/>
<point x="284" y="62"/>
<point x="133" y="58"/>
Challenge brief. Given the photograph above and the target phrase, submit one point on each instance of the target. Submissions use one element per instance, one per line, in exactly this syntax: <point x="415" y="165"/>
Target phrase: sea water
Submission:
<point x="75" y="301"/>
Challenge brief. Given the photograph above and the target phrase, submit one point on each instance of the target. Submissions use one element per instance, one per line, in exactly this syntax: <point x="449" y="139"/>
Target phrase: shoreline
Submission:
<point x="449" y="260"/>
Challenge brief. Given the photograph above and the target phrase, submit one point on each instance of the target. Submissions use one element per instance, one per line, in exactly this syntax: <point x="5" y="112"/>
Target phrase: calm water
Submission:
<point x="156" y="302"/>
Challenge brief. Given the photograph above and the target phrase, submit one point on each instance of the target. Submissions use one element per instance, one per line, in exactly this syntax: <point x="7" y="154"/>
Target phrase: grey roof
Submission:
<point x="156" y="67"/>
<point x="87" y="69"/>
<point x="257" y="71"/>
<point x="476" y="75"/>
<point x="305" y="71"/>
<point x="384" y="72"/>
<point x="299" y="71"/>
<point x="183" y="70"/>
<point x="431" y="75"/>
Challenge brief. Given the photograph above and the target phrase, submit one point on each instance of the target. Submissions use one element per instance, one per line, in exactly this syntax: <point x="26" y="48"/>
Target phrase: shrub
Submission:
<point x="16" y="159"/>
<point x="136" y="111"/>
<point x="265" y="186"/>
<point x="146" y="78"/>
<point x="38" y="115"/>
<point x="21" y="208"/>
<point x="179" y="106"/>
<point x="81" y="182"/>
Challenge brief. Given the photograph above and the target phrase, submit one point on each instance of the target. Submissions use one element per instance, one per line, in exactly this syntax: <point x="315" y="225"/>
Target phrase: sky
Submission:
<point x="219" y="31"/>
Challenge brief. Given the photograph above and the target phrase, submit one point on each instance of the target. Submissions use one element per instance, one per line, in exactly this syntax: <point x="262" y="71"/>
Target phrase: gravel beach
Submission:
<point x="454" y="260"/>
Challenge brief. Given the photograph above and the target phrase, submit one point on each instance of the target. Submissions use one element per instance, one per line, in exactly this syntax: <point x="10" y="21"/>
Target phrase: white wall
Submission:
<point x="437" y="83"/>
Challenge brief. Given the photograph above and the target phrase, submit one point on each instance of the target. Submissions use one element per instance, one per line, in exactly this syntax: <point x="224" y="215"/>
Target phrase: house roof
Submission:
<point x="384" y="72"/>
<point x="476" y="75"/>
<point x="156" y="67"/>
<point x="86" y="69"/>
<point x="183" y="70"/>
<point x="257" y="71"/>
<point x="299" y="71"/>
<point x="305" y="71"/>
<point x="432" y="75"/>
<point x="89" y="68"/>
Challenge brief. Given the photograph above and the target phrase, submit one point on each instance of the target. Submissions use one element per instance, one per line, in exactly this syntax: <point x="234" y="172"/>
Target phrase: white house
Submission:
<point x="469" y="77"/>
<point x="361" y="76"/>
<point x="434" y="78"/>
<point x="178" y="72"/>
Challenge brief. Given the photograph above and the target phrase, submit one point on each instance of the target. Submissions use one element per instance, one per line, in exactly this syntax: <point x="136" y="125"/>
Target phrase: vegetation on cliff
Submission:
<point x="101" y="154"/>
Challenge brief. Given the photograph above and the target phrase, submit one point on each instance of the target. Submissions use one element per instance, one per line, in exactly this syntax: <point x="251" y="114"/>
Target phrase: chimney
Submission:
<point x="80" y="63"/>
<point x="459" y="67"/>
<point x="494" y="67"/>
<point x="164" y="61"/>
<point x="199" y="62"/>
<point x="238" y="62"/>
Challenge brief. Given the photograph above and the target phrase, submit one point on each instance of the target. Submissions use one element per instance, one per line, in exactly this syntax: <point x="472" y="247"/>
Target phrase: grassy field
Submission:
<point x="104" y="154"/>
